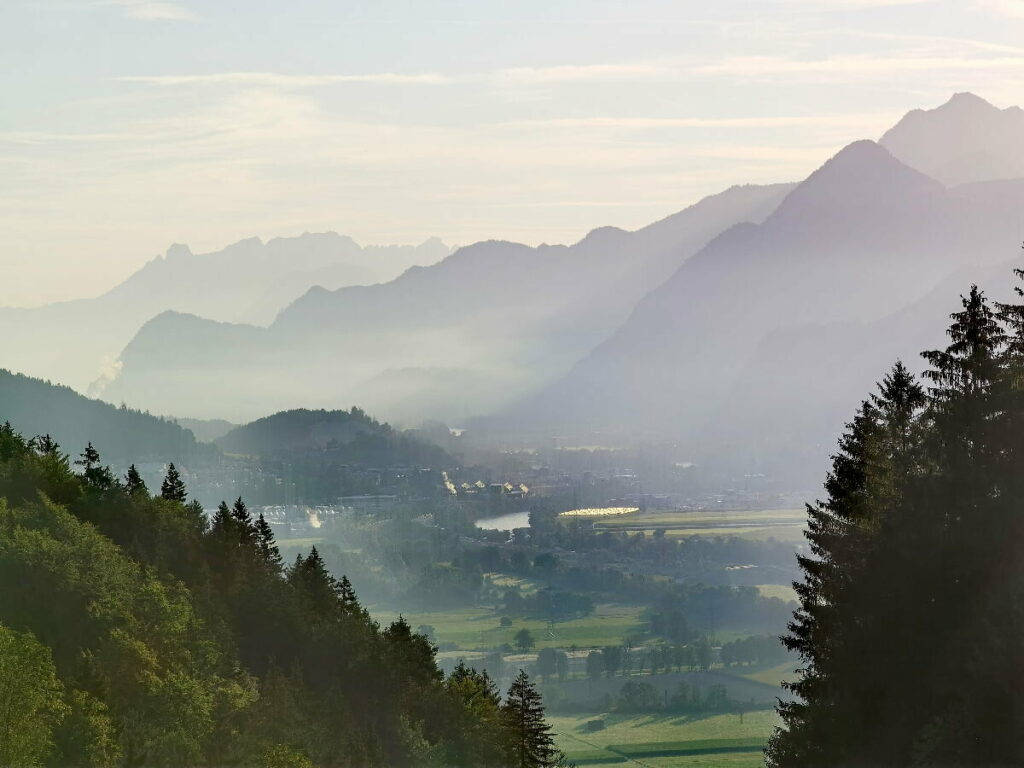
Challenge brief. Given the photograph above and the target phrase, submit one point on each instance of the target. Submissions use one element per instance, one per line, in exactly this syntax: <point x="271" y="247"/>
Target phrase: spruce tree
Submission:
<point x="243" y="519"/>
<point x="266" y="544"/>
<point x="825" y="723"/>
<point x="134" y="484"/>
<point x="530" y="742"/>
<point x="347" y="594"/>
<point x="223" y="523"/>
<point x="94" y="473"/>
<point x="912" y="587"/>
<point x="173" y="488"/>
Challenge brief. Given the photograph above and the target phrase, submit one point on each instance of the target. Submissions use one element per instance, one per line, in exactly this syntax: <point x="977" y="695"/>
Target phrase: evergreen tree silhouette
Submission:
<point x="134" y="484"/>
<point x="173" y="488"/>
<point x="532" y="745"/>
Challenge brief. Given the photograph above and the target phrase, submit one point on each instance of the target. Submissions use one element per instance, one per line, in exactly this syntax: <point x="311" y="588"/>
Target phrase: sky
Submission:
<point x="129" y="125"/>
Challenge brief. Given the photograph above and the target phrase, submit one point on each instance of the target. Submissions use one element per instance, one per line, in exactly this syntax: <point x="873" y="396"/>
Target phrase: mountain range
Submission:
<point x="491" y="322"/>
<point x="78" y="342"/>
<point x="730" y="327"/>
<point x="739" y="353"/>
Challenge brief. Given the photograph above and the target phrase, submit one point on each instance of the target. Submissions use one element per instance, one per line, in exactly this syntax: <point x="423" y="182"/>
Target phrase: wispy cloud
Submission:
<point x="847" y="5"/>
<point x="151" y="10"/>
<point x="279" y="80"/>
<point x="845" y="66"/>
<point x="587" y="73"/>
<point x="1012" y="8"/>
<point x="782" y="121"/>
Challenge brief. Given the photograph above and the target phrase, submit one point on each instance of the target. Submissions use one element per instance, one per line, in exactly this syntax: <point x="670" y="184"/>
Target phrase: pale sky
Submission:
<point x="127" y="125"/>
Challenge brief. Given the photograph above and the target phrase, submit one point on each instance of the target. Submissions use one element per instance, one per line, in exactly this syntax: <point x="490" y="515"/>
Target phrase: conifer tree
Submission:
<point x="347" y="594"/>
<point x="44" y="445"/>
<point x="134" y="484"/>
<point x="173" y="488"/>
<point x="912" y="584"/>
<point x="243" y="519"/>
<point x="222" y="520"/>
<point x="266" y="544"/>
<point x="531" y="743"/>
<point x="94" y="473"/>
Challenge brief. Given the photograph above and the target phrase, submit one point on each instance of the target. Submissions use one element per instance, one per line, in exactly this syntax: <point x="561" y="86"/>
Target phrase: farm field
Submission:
<point x="666" y="740"/>
<point x="782" y="524"/>
<point x="478" y="628"/>
<point x="774" y="675"/>
<point x="784" y="592"/>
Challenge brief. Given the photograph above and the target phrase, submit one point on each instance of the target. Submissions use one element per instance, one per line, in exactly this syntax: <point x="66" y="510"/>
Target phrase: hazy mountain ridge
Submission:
<point x="964" y="140"/>
<point x="78" y="341"/>
<point x="501" y="313"/>
<point x="861" y="238"/>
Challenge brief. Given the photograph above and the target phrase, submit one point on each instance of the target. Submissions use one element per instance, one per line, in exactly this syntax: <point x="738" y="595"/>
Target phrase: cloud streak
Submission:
<point x="280" y="80"/>
<point x="151" y="10"/>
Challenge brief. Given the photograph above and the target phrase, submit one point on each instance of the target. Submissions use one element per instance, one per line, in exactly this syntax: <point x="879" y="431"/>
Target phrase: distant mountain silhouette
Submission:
<point x="862" y="237"/>
<point x="491" y="322"/>
<point x="667" y="332"/>
<point x="966" y="139"/>
<point x="77" y="341"/>
<point x="35" y="407"/>
<point x="206" y="430"/>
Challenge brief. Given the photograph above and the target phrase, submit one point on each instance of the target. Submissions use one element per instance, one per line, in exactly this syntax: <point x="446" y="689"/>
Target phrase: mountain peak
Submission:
<point x="967" y="139"/>
<point x="967" y="100"/>
<point x="177" y="251"/>
<point x="863" y="175"/>
<point x="864" y="163"/>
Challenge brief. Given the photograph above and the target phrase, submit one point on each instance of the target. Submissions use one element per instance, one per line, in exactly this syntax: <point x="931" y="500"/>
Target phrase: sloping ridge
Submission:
<point x="965" y="140"/>
<point x="862" y="236"/>
<point x="33" y="407"/>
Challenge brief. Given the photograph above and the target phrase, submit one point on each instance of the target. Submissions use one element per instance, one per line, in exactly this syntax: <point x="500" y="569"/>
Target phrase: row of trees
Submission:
<point x="142" y="633"/>
<point x="755" y="649"/>
<point x="912" y="604"/>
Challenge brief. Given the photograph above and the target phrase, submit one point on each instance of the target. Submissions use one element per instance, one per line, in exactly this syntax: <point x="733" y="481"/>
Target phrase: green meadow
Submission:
<point x="666" y="740"/>
<point x="479" y="627"/>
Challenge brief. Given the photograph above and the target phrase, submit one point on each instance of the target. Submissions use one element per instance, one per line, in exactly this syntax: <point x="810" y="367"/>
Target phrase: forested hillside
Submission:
<point x="33" y="406"/>
<point x="349" y="436"/>
<point x="912" y="602"/>
<point x="135" y="632"/>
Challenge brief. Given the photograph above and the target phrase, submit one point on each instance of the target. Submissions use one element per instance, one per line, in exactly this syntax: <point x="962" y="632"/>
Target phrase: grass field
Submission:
<point x="299" y="544"/>
<point x="781" y="524"/>
<point x="775" y="675"/>
<point x="478" y="628"/>
<point x="656" y="740"/>
<point x="784" y="592"/>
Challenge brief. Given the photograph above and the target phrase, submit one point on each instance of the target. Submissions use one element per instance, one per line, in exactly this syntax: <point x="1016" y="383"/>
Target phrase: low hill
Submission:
<point x="350" y="437"/>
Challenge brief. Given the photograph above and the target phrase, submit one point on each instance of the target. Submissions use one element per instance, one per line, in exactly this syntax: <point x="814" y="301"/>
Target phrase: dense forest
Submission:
<point x="135" y="631"/>
<point x="912" y="603"/>
<point x="34" y="407"/>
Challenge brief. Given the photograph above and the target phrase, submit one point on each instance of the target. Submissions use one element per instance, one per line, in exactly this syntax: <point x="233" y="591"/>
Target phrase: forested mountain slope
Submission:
<point x="35" y="407"/>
